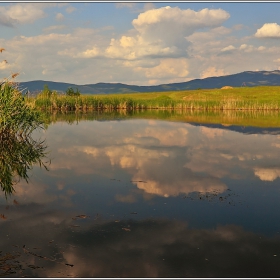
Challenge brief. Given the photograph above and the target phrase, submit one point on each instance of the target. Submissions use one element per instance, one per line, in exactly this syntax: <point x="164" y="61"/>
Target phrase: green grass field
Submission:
<point x="242" y="98"/>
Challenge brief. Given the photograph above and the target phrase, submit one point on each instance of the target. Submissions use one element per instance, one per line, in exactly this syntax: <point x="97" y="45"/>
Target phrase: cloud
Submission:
<point x="158" y="22"/>
<point x="250" y="48"/>
<point x="160" y="42"/>
<point x="191" y="183"/>
<point x="90" y="53"/>
<point x="243" y="46"/>
<point x="228" y="48"/>
<point x="276" y="144"/>
<point x="48" y="54"/>
<point x="177" y="158"/>
<point x="213" y="72"/>
<point x="125" y="5"/>
<point x="147" y="54"/>
<point x="175" y="136"/>
<point x="34" y="192"/>
<point x="133" y="48"/>
<point x="238" y="27"/>
<point x="268" y="30"/>
<point x="212" y="132"/>
<point x="210" y="36"/>
<point x="167" y="68"/>
<point x="267" y="174"/>
<point x="205" y="53"/>
<point x="277" y="60"/>
<point x="149" y="6"/>
<point x="54" y="28"/>
<point x="70" y="9"/>
<point x="162" y="32"/>
<point x="150" y="155"/>
<point x="59" y="17"/>
<point x="157" y="172"/>
<point x="22" y="13"/>
<point x="130" y="198"/>
<point x="6" y="20"/>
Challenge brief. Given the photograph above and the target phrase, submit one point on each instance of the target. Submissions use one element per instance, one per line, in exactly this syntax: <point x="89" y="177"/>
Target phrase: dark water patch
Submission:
<point x="147" y="248"/>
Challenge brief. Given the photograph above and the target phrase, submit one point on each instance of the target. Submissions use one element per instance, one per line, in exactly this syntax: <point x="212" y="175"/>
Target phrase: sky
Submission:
<point x="137" y="43"/>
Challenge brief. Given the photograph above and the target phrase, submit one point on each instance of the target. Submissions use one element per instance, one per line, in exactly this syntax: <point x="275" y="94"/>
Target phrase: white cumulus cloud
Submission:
<point x="268" y="30"/>
<point x="173" y="24"/>
<point x="187" y="20"/>
<point x="161" y="32"/>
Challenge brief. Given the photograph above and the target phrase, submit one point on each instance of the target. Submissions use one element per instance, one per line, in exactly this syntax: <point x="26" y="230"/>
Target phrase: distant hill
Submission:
<point x="247" y="78"/>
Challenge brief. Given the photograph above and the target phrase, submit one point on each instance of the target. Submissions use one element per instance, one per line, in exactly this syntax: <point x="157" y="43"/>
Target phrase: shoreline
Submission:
<point x="226" y="118"/>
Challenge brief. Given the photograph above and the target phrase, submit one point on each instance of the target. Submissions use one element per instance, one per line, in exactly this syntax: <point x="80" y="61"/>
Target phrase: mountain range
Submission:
<point x="247" y="78"/>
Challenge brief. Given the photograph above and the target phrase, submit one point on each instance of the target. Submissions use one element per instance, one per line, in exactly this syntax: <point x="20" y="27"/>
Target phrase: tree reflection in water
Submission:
<point x="18" y="153"/>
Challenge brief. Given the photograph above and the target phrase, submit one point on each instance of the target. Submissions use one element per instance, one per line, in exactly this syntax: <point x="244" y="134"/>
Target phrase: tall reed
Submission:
<point x="88" y="102"/>
<point x="16" y="116"/>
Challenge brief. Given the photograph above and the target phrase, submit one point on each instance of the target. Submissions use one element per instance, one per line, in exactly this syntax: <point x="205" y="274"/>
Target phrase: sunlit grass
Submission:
<point x="243" y="98"/>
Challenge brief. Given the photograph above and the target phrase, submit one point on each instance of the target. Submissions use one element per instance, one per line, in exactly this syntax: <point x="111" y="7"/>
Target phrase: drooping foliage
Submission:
<point x="18" y="155"/>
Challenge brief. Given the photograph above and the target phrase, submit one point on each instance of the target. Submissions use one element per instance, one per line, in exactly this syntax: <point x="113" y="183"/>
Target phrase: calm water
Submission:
<point x="147" y="198"/>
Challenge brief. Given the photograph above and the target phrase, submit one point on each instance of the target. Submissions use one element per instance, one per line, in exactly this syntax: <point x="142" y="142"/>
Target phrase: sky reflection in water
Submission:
<point x="147" y="198"/>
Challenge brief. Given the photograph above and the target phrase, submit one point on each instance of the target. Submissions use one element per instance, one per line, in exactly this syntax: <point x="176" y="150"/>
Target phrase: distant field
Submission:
<point x="242" y="98"/>
<point x="260" y="94"/>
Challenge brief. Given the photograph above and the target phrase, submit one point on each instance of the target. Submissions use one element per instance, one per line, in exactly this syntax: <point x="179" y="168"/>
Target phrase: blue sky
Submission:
<point x="137" y="43"/>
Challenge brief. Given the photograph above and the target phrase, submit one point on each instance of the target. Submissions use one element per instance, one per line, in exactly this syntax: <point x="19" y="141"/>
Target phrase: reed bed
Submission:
<point x="94" y="103"/>
<point x="258" y="98"/>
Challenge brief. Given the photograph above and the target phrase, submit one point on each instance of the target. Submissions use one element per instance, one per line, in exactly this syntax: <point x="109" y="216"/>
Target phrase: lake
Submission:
<point x="150" y="196"/>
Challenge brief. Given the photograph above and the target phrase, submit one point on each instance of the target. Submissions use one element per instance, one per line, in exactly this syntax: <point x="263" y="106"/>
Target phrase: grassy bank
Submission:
<point x="243" y="98"/>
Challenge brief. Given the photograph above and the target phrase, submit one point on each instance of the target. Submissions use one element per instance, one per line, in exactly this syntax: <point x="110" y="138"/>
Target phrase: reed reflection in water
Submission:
<point x="18" y="154"/>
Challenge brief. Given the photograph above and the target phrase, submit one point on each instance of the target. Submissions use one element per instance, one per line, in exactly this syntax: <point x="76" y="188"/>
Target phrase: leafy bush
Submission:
<point x="70" y="91"/>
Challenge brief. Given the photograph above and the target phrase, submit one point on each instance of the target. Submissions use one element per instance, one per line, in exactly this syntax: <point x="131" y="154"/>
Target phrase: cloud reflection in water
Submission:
<point x="115" y="168"/>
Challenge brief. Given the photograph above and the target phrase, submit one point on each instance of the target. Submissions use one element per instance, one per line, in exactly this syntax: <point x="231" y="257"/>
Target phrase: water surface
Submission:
<point x="147" y="198"/>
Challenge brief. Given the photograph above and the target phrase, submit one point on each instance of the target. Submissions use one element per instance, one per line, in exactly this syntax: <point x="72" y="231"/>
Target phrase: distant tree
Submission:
<point x="70" y="92"/>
